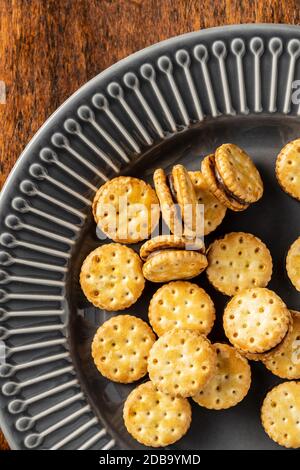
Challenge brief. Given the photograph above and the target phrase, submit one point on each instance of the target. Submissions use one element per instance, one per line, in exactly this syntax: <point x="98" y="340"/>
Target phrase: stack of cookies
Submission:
<point x="174" y="351"/>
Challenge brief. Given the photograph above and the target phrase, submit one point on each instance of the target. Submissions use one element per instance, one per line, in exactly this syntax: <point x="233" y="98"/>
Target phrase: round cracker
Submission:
<point x="166" y="242"/>
<point x="293" y="264"/>
<point x="187" y="201"/>
<point x="256" y="320"/>
<point x="121" y="347"/>
<point x="288" y="168"/>
<point x="285" y="360"/>
<point x="214" y="211"/>
<point x="280" y="414"/>
<point x="239" y="173"/>
<point x="167" y="205"/>
<point x="238" y="261"/>
<point x="181" y="304"/>
<point x="154" y="418"/>
<point x="207" y="169"/>
<point x="230" y="383"/>
<point x="111" y="277"/>
<point x="169" y="265"/>
<point x="181" y="362"/>
<point x="126" y="209"/>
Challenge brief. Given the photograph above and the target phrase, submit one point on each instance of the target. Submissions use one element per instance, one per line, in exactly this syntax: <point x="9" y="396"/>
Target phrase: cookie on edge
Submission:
<point x="214" y="211"/>
<point x="285" y="360"/>
<point x="154" y="418"/>
<point x="231" y="382"/>
<point x="121" y="347"/>
<point x="238" y="173"/>
<point x="126" y="209"/>
<point x="280" y="414"/>
<point x="256" y="320"/>
<point x="293" y="264"/>
<point x="111" y="277"/>
<point x="217" y="187"/>
<point x="181" y="362"/>
<point x="238" y="261"/>
<point x="181" y="304"/>
<point x="288" y="168"/>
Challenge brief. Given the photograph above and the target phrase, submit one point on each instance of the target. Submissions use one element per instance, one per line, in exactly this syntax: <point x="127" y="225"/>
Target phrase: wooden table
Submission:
<point x="49" y="48"/>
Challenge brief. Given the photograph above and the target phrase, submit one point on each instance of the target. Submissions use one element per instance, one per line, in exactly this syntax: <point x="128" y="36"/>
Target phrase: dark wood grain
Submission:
<point x="49" y="48"/>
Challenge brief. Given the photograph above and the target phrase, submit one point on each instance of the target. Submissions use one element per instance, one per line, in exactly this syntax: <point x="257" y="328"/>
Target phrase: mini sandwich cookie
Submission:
<point x="230" y="383"/>
<point x="181" y="362"/>
<point x="121" y="347"/>
<point x="217" y="188"/>
<point x="154" y="418"/>
<point x="168" y="258"/>
<point x="181" y="304"/>
<point x="238" y="261"/>
<point x="232" y="177"/>
<point x="288" y="168"/>
<point x="177" y="189"/>
<point x="256" y="320"/>
<point x="285" y="360"/>
<point x="111" y="277"/>
<point x="280" y="414"/>
<point x="293" y="264"/>
<point x="126" y="209"/>
<point x="214" y="211"/>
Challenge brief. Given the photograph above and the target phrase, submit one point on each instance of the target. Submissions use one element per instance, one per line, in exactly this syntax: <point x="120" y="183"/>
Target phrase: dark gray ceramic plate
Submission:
<point x="175" y="101"/>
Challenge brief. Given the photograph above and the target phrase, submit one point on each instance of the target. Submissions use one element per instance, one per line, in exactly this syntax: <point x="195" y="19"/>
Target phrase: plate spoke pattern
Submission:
<point x="93" y="138"/>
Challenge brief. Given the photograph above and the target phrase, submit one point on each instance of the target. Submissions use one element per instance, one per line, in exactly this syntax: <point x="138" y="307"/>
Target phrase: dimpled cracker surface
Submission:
<point x="165" y="242"/>
<point x="170" y="265"/>
<point x="181" y="304"/>
<point x="187" y="200"/>
<point x="154" y="418"/>
<point x="280" y="414"/>
<point x="293" y="264"/>
<point x="239" y="173"/>
<point x="126" y="209"/>
<point x="207" y="169"/>
<point x="285" y="360"/>
<point x="288" y="168"/>
<point x="111" y="277"/>
<point x="230" y="383"/>
<point x="256" y="320"/>
<point x="214" y="211"/>
<point x="181" y="362"/>
<point x="237" y="262"/>
<point x="167" y="205"/>
<point x="120" y="348"/>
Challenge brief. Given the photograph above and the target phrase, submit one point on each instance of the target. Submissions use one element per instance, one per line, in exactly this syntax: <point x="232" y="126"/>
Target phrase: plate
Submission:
<point x="172" y="102"/>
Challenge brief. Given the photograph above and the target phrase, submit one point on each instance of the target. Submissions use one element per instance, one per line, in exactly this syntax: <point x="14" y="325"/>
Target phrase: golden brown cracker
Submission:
<point x="154" y="418"/>
<point x="285" y="360"/>
<point x="169" y="265"/>
<point x="181" y="362"/>
<point x="238" y="172"/>
<point x="126" y="209"/>
<point x="207" y="169"/>
<point x="280" y="414"/>
<point x="288" y="168"/>
<point x="120" y="348"/>
<point x="293" y="264"/>
<point x="230" y="383"/>
<point x="238" y="261"/>
<point x="256" y="320"/>
<point x="181" y="304"/>
<point x="111" y="277"/>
